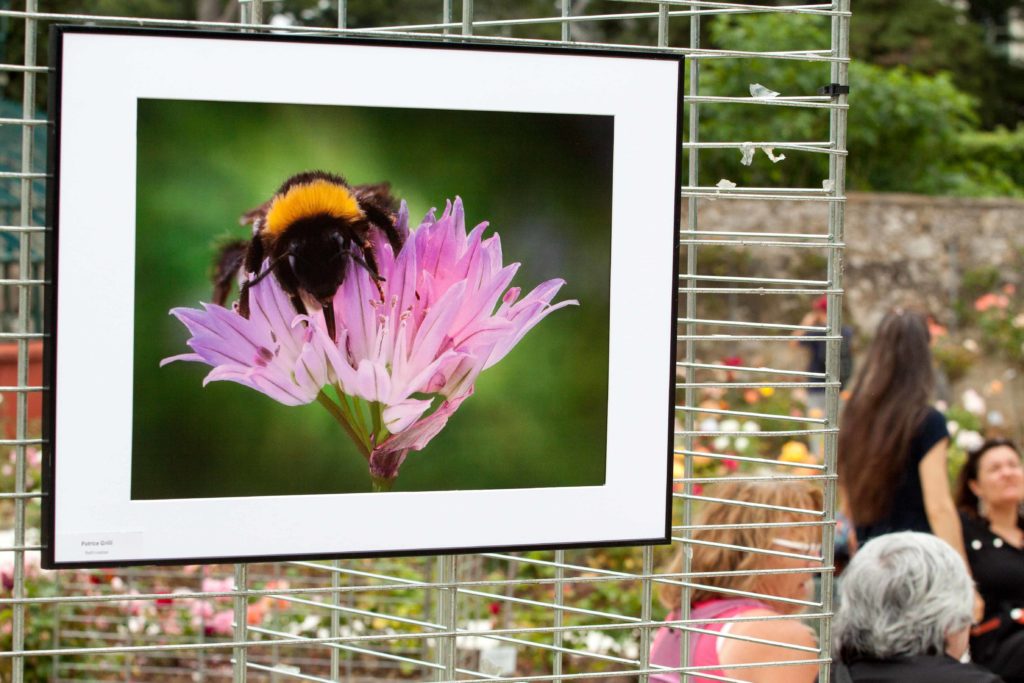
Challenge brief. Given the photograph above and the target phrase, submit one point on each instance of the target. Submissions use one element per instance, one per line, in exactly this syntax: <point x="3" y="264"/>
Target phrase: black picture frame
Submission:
<point x="87" y="462"/>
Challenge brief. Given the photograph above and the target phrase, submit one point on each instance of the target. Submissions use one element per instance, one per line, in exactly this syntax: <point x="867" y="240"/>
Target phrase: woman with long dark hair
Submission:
<point x="990" y="493"/>
<point x="893" y="443"/>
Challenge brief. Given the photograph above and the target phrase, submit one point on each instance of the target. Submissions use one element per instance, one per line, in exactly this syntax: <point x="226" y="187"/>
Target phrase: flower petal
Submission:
<point x="398" y="417"/>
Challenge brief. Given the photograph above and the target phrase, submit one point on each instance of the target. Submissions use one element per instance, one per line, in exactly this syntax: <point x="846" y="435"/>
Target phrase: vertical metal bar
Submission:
<point x="449" y="614"/>
<point x="689" y="399"/>
<point x="446" y="16"/>
<point x="646" y="584"/>
<point x="342" y="21"/>
<point x="335" y="618"/>
<point x="251" y="11"/>
<point x="24" y="266"/>
<point x="839" y="73"/>
<point x="241" y="602"/>
<point x="127" y="658"/>
<point x="256" y="12"/>
<point x="440" y="572"/>
<point x="557" y="658"/>
<point x="350" y="601"/>
<point x="646" y="595"/>
<point x="566" y="26"/>
<point x="201" y="657"/>
<point x="467" y="17"/>
<point x="57" y="614"/>
<point x="662" y="25"/>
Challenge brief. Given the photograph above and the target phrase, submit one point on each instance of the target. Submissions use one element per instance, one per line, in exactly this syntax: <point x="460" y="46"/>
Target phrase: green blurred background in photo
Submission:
<point x="543" y="181"/>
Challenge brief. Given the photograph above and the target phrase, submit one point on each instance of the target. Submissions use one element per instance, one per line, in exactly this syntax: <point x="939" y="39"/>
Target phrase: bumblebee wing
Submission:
<point x="251" y="216"/>
<point x="226" y="268"/>
<point x="378" y="194"/>
<point x="380" y="207"/>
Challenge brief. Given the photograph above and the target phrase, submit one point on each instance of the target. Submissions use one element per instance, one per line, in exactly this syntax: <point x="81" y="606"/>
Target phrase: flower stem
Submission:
<point x="339" y="415"/>
<point x="381" y="484"/>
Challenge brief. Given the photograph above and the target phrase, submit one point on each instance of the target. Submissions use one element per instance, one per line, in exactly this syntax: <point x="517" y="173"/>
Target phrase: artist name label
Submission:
<point x="111" y="545"/>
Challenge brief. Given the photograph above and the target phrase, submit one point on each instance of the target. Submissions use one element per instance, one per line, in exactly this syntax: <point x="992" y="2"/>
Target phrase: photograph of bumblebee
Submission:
<point x="452" y="317"/>
<point x="342" y="311"/>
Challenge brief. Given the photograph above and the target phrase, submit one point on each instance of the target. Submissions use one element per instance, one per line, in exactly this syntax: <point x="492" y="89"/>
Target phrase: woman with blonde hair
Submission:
<point x="754" y="543"/>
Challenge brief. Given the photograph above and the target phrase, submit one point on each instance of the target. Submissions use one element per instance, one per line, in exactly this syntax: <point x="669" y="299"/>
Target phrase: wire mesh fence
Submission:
<point x="745" y="408"/>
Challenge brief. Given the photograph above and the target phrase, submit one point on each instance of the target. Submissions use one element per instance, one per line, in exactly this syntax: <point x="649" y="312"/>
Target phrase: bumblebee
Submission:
<point x="314" y="228"/>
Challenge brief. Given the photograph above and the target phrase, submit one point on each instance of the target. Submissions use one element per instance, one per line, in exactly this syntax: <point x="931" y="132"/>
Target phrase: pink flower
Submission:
<point x="221" y="624"/>
<point x="34" y="457"/>
<point x="211" y="585"/>
<point x="402" y="365"/>
<point x="991" y="300"/>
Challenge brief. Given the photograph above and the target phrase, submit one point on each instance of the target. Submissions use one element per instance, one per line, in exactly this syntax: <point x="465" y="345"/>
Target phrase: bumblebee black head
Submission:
<point x="318" y="248"/>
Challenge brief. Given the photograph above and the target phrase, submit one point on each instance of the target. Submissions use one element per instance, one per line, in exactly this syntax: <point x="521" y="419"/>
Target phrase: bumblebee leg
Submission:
<point x="369" y="262"/>
<point x="229" y="261"/>
<point x="379" y="206"/>
<point x="385" y="222"/>
<point x="329" y="319"/>
<point x="243" y="300"/>
<point x="243" y="297"/>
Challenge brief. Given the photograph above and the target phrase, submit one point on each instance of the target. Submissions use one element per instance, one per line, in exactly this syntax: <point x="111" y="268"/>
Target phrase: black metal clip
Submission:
<point x="834" y="90"/>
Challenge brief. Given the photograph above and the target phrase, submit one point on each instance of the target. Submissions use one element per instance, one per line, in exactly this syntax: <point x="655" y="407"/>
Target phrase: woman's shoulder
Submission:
<point x="931" y="430"/>
<point x="974" y="526"/>
<point x="933" y="422"/>
<point x="791" y="630"/>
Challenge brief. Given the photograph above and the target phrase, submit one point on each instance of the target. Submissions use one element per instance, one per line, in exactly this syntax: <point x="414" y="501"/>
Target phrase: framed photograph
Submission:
<point x="346" y="298"/>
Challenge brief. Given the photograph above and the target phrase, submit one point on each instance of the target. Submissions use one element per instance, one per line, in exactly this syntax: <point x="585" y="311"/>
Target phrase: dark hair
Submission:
<point x="887" y="405"/>
<point x="966" y="500"/>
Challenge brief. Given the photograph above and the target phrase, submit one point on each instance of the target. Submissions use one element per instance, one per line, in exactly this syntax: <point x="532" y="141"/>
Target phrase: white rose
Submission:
<point x="730" y="425"/>
<point x="973" y="402"/>
<point x="969" y="440"/>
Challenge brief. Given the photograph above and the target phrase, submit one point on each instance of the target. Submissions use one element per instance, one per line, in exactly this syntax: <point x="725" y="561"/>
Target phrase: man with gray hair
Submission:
<point x="905" y="613"/>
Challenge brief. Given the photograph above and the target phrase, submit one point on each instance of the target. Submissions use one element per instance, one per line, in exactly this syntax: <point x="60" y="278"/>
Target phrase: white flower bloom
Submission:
<point x="310" y="623"/>
<point x="973" y="402"/>
<point x="742" y="443"/>
<point x="721" y="443"/>
<point x="952" y="426"/>
<point x="730" y="425"/>
<point x="969" y="440"/>
<point x="751" y="426"/>
<point x="971" y="345"/>
<point x="709" y="424"/>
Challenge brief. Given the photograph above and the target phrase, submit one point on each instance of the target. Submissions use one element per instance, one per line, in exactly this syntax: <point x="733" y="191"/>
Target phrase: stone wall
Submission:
<point x="901" y="249"/>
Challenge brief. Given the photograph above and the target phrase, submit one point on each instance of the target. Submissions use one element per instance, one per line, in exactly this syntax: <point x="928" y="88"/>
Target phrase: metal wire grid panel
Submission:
<point x="559" y="615"/>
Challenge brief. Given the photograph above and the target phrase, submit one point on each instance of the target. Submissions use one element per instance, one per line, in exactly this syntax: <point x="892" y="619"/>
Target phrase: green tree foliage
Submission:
<point x="904" y="127"/>
<point x="930" y="36"/>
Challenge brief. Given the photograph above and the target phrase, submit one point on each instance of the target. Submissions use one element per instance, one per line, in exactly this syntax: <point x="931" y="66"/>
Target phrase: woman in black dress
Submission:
<point x="893" y="444"/>
<point x="989" y="494"/>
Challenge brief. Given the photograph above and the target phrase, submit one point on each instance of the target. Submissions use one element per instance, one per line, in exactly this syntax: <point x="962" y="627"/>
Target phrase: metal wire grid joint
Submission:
<point x="522" y="616"/>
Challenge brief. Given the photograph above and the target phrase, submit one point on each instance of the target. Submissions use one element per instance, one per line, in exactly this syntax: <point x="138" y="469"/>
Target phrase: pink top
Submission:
<point x="703" y="647"/>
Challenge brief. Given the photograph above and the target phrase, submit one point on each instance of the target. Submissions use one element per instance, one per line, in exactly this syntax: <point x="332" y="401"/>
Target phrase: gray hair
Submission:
<point x="900" y="596"/>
